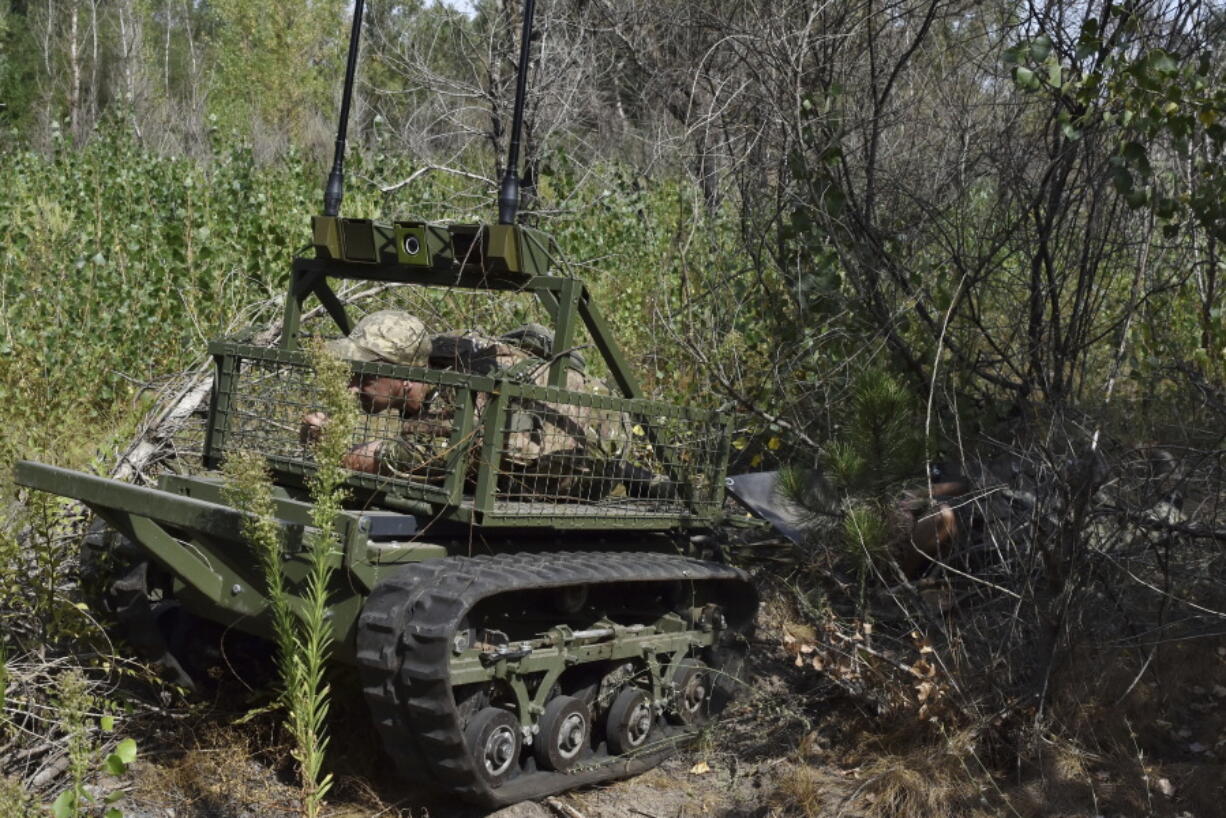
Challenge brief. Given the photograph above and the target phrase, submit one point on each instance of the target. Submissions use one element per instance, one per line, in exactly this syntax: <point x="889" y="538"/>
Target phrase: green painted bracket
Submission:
<point x="171" y="509"/>
<point x="143" y="511"/>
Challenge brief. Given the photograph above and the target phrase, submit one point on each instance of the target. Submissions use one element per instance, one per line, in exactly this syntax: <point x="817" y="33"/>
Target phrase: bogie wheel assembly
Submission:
<point x="630" y="720"/>
<point x="493" y="738"/>
<point x="565" y="734"/>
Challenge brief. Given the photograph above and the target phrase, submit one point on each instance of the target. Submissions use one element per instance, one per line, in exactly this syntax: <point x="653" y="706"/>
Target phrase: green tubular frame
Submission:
<point x="449" y="500"/>
<point x="566" y="300"/>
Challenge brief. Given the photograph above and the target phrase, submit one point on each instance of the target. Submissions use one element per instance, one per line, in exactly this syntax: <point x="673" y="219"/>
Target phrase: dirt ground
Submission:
<point x="695" y="783"/>
<point x="791" y="746"/>
<point x="205" y="766"/>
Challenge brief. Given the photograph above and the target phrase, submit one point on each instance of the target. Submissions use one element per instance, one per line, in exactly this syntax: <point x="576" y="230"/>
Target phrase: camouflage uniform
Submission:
<point x="550" y="449"/>
<point x="420" y="444"/>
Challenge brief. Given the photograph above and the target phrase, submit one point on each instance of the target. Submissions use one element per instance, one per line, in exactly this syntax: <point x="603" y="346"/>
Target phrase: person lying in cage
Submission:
<point x="551" y="450"/>
<point x="396" y="337"/>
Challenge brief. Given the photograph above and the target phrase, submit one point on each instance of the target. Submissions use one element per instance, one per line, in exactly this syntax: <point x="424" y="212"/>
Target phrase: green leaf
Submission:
<point x="114" y="765"/>
<point x="1162" y="62"/>
<point x="1040" y="47"/>
<point x="112" y="812"/>
<point x="1087" y="46"/>
<point x="1025" y="78"/>
<point x="1137" y="156"/>
<point x="65" y="806"/>
<point x="126" y="750"/>
<point x="1053" y="74"/>
<point x="834" y="200"/>
<point x="107" y="723"/>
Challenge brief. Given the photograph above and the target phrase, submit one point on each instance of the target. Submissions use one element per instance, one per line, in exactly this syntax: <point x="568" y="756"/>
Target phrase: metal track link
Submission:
<point x="404" y="651"/>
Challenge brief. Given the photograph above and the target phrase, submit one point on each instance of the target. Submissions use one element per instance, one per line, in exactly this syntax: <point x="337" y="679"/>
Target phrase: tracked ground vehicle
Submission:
<point x="513" y="639"/>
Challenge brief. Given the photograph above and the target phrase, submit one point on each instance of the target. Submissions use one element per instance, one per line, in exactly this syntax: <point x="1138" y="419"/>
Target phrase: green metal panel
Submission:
<point x="459" y="446"/>
<point x="219" y="408"/>
<point x="564" y="330"/>
<point x="358" y="240"/>
<point x="491" y="448"/>
<point x="325" y="237"/>
<point x="536" y="251"/>
<point x="502" y="247"/>
<point x="200" y="542"/>
<point x="412" y="244"/>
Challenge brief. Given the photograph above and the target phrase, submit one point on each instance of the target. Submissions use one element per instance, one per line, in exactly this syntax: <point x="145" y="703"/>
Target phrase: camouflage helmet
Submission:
<point x="389" y="335"/>
<point x="538" y="340"/>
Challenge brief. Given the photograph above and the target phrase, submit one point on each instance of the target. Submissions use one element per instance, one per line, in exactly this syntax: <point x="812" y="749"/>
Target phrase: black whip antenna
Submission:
<point x="335" y="189"/>
<point x="508" y="197"/>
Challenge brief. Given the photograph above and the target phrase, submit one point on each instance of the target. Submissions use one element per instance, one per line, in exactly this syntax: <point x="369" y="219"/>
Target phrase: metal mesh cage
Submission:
<point x="480" y="448"/>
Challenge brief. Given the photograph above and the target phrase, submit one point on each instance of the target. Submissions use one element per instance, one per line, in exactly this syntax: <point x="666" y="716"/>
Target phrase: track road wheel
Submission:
<point x="493" y="741"/>
<point x="629" y="721"/>
<point x="566" y="733"/>
<point x="693" y="682"/>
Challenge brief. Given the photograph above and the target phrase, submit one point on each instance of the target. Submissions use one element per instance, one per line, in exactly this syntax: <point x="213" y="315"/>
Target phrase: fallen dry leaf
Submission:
<point x="800" y="633"/>
<point x="700" y="768"/>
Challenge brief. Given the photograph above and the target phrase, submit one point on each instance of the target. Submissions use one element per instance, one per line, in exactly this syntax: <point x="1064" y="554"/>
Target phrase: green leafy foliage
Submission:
<point x="866" y="536"/>
<point x="330" y="380"/>
<point x="17" y="801"/>
<point x="260" y="53"/>
<point x="77" y="705"/>
<point x="302" y="627"/>
<point x="1165" y="112"/>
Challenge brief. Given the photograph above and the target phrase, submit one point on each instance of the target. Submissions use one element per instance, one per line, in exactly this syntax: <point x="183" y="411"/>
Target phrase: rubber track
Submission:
<point x="404" y="654"/>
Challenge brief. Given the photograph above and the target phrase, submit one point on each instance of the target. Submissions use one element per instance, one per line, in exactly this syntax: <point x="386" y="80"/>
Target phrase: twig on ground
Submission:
<point x="561" y="809"/>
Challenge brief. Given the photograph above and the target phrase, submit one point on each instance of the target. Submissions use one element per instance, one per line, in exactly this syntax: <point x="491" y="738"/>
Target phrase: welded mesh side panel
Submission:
<point x="270" y="406"/>
<point x="262" y="408"/>
<point x="511" y="453"/>
<point x="567" y="454"/>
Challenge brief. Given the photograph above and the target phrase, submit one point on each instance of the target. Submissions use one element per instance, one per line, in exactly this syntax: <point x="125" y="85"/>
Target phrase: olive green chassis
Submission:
<point x="198" y="540"/>
<point x="187" y="529"/>
<point x="185" y="526"/>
